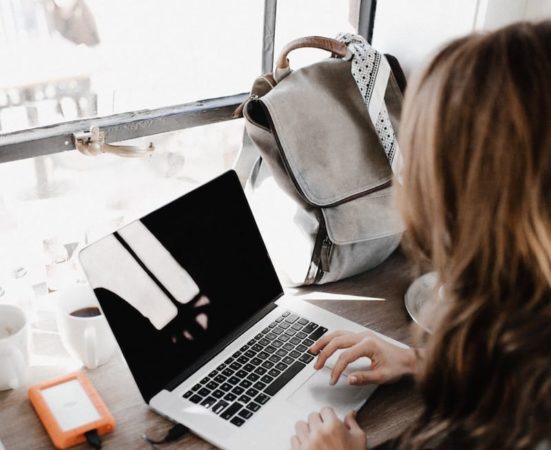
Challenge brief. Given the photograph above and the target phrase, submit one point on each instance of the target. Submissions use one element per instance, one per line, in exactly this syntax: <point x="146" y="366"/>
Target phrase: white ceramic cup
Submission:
<point x="14" y="347"/>
<point x="88" y="339"/>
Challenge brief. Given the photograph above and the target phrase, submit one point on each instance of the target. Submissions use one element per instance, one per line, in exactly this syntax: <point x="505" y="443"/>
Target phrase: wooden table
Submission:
<point x="386" y="413"/>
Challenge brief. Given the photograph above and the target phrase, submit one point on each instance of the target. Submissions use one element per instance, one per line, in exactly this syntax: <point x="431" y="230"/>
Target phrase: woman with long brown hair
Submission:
<point x="476" y="203"/>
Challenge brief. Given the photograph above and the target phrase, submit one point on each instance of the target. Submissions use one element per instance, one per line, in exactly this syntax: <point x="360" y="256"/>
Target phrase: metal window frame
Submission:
<point x="57" y="138"/>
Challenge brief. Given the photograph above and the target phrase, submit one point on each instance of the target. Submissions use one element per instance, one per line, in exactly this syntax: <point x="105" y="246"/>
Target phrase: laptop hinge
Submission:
<point x="174" y="383"/>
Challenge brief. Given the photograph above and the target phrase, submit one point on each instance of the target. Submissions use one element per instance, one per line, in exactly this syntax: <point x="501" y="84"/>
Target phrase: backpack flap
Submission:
<point x="369" y="217"/>
<point x="327" y="142"/>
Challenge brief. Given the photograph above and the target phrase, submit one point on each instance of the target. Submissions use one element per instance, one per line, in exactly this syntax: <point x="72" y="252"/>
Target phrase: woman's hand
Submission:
<point x="324" y="431"/>
<point x="388" y="362"/>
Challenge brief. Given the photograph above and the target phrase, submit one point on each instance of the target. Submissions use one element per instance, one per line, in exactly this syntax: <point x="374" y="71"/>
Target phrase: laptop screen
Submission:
<point x="173" y="284"/>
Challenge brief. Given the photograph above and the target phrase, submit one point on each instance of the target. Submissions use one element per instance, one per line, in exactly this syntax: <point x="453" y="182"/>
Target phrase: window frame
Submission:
<point x="57" y="138"/>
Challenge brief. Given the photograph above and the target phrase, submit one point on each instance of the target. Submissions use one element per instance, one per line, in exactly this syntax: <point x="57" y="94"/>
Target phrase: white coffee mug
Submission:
<point x="84" y="330"/>
<point x="14" y="347"/>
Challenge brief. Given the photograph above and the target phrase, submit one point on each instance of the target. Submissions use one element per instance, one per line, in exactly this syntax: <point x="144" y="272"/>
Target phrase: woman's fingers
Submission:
<point x="363" y="348"/>
<point x="324" y="340"/>
<point x="328" y="415"/>
<point x="314" y="421"/>
<point x="295" y="443"/>
<point x="375" y="376"/>
<point x="339" y="342"/>
<point x="351" y="423"/>
<point x="302" y="430"/>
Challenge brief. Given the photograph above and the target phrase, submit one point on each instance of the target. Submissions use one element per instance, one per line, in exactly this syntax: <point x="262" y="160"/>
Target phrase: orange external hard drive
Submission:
<point x="69" y="407"/>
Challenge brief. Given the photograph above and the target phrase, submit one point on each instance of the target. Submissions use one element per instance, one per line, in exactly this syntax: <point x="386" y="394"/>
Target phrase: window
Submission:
<point x="170" y="72"/>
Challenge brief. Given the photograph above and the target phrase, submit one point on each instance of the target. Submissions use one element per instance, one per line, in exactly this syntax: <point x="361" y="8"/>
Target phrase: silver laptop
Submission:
<point x="212" y="342"/>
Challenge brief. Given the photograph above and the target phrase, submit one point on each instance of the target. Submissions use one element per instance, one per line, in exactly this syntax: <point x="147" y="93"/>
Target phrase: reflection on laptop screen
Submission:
<point x="174" y="283"/>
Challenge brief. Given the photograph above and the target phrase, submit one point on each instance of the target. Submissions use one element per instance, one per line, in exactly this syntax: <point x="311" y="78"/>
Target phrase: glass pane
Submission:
<point x="313" y="18"/>
<point x="67" y="59"/>
<point x="52" y="205"/>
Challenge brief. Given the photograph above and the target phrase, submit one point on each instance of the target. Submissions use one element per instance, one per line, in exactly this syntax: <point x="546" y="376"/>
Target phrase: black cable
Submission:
<point x="93" y="439"/>
<point x="175" y="433"/>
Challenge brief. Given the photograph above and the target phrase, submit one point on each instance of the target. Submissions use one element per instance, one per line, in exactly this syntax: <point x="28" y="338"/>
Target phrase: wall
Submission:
<point x="538" y="9"/>
<point x="412" y="30"/>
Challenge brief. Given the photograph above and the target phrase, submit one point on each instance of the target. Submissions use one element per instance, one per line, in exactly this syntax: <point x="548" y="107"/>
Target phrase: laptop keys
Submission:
<point x="259" y="385"/>
<point x="301" y="348"/>
<point x="285" y="377"/>
<point x="218" y="393"/>
<point x="245" y="413"/>
<point x="288" y="360"/>
<point x="195" y="398"/>
<point x="208" y="402"/>
<point x="251" y="392"/>
<point x="212" y="385"/>
<point x="253" y="406"/>
<point x="258" y="370"/>
<point x="262" y="399"/>
<point x="309" y="328"/>
<point x="244" y="399"/>
<point x="238" y="390"/>
<point x="237" y="421"/>
<point x="253" y="377"/>
<point x="320" y="331"/>
<point x="246" y="383"/>
<point x="274" y="373"/>
<point x="227" y="372"/>
<point x="267" y="379"/>
<point x="292" y="318"/>
<point x="203" y="392"/>
<point x="234" y="380"/>
<point x="220" y="406"/>
<point x="231" y="411"/>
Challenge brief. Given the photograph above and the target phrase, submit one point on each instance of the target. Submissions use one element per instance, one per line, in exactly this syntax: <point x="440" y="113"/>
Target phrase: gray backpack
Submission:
<point x="315" y="170"/>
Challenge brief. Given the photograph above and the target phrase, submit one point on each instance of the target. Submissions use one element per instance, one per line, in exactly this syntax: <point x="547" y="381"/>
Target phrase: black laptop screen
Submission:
<point x="174" y="283"/>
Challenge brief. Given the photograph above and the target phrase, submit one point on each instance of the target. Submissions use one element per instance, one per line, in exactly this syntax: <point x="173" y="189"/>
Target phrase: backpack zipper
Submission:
<point x="326" y="253"/>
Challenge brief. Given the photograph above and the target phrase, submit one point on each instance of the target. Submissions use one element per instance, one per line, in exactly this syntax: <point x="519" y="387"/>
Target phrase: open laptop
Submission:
<point x="212" y="342"/>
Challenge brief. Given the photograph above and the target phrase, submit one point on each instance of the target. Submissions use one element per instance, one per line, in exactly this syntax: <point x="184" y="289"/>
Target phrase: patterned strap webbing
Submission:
<point x="371" y="71"/>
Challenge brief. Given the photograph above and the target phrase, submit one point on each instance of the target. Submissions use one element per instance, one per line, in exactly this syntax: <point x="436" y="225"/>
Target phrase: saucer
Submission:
<point x="421" y="291"/>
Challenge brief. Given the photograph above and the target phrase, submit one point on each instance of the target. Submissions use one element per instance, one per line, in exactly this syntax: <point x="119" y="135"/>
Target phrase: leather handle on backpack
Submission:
<point x="331" y="45"/>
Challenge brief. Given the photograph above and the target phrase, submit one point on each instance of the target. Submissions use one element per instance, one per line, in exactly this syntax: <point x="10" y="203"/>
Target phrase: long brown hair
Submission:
<point x="476" y="201"/>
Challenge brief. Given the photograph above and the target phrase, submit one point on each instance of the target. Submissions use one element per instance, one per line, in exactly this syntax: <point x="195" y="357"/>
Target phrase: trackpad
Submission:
<point x="316" y="392"/>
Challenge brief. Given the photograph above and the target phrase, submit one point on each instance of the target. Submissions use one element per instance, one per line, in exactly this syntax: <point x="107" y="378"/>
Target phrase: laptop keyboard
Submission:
<point x="239" y="387"/>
